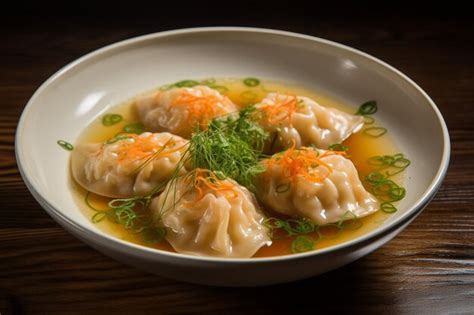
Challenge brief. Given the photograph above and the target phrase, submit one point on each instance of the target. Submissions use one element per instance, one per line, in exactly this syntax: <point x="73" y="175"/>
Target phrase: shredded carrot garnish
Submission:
<point x="143" y="147"/>
<point x="282" y="110"/>
<point x="205" y="180"/>
<point x="201" y="109"/>
<point x="303" y="163"/>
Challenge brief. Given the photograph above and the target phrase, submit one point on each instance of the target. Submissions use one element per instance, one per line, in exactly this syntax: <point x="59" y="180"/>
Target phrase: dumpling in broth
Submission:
<point x="207" y="216"/>
<point x="130" y="165"/>
<point x="181" y="110"/>
<point x="320" y="185"/>
<point x="300" y="120"/>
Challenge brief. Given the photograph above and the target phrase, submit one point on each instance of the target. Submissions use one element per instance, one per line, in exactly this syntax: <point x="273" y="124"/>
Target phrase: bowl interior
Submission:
<point x="83" y="90"/>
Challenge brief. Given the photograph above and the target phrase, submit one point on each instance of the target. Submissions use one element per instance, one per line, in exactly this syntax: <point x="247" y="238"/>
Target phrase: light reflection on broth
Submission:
<point x="361" y="148"/>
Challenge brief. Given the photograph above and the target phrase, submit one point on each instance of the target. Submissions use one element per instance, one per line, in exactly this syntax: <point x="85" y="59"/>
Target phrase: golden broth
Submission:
<point x="361" y="147"/>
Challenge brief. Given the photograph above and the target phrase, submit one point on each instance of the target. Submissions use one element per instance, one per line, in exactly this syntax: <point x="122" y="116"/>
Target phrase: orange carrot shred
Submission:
<point x="207" y="180"/>
<point x="201" y="109"/>
<point x="282" y="110"/>
<point x="303" y="163"/>
<point x="142" y="147"/>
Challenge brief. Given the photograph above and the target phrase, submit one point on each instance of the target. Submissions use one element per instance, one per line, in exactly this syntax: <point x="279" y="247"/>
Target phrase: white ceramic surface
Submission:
<point x="86" y="88"/>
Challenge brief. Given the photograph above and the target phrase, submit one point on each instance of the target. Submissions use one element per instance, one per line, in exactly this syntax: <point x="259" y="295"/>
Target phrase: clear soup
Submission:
<point x="361" y="148"/>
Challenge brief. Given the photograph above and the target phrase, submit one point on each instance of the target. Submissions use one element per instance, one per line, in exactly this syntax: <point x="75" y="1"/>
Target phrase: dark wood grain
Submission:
<point x="428" y="268"/>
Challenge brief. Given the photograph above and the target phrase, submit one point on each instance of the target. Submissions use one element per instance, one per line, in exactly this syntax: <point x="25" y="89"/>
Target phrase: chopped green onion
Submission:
<point x="302" y="244"/>
<point x="136" y="128"/>
<point x="99" y="216"/>
<point x="186" y="83"/>
<point x="301" y="226"/>
<point x="368" y="108"/>
<point x="208" y="82"/>
<point x="368" y="120"/>
<point x="291" y="227"/>
<point x="338" y="147"/>
<point x="65" y="145"/>
<point x="375" y="177"/>
<point x="251" y="82"/>
<point x="118" y="137"/>
<point x="111" y="119"/>
<point x="387" y="207"/>
<point x="398" y="162"/>
<point x="384" y="189"/>
<point x="375" y="132"/>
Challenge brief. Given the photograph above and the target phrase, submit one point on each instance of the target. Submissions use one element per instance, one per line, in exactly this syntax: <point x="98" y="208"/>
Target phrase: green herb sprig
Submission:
<point x="232" y="146"/>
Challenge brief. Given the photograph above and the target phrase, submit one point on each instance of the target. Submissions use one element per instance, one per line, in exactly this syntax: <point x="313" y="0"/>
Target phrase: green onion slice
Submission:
<point x="375" y="132"/>
<point x="111" y="119"/>
<point x="65" y="145"/>
<point x="251" y="82"/>
<point x="136" y="128"/>
<point x="368" y="108"/>
<point x="302" y="244"/>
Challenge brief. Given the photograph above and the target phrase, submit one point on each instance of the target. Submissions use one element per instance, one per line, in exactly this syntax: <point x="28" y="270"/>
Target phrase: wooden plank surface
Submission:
<point x="428" y="268"/>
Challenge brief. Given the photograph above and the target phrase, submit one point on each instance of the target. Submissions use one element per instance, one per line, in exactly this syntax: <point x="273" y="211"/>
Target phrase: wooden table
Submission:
<point x="429" y="267"/>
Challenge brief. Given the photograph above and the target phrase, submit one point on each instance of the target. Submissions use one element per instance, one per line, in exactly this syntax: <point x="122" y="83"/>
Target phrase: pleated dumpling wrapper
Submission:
<point x="302" y="121"/>
<point x="320" y="185"/>
<point x="129" y="165"/>
<point x="208" y="216"/>
<point x="181" y="110"/>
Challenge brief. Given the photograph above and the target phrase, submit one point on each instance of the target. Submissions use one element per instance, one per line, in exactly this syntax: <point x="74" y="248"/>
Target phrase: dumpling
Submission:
<point x="181" y="110"/>
<point x="320" y="185"/>
<point x="207" y="216"/>
<point x="130" y="165"/>
<point x="301" y="120"/>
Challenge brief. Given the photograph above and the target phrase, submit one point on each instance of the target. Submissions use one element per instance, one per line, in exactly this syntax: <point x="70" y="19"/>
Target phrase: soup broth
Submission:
<point x="361" y="148"/>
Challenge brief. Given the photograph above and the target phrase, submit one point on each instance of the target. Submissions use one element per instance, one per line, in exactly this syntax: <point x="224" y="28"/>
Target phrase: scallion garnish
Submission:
<point x="118" y="137"/>
<point x="375" y="132"/>
<point x="387" y="207"/>
<point x="368" y="108"/>
<point x="111" y="119"/>
<point x="186" y="83"/>
<point x="383" y="188"/>
<point x="251" y="82"/>
<point x="393" y="164"/>
<point x="338" y="147"/>
<point x="136" y="128"/>
<point x="65" y="145"/>
<point x="368" y="120"/>
<point x="302" y="244"/>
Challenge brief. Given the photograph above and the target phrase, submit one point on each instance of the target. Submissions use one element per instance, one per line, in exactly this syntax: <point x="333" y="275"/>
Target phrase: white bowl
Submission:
<point x="86" y="88"/>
